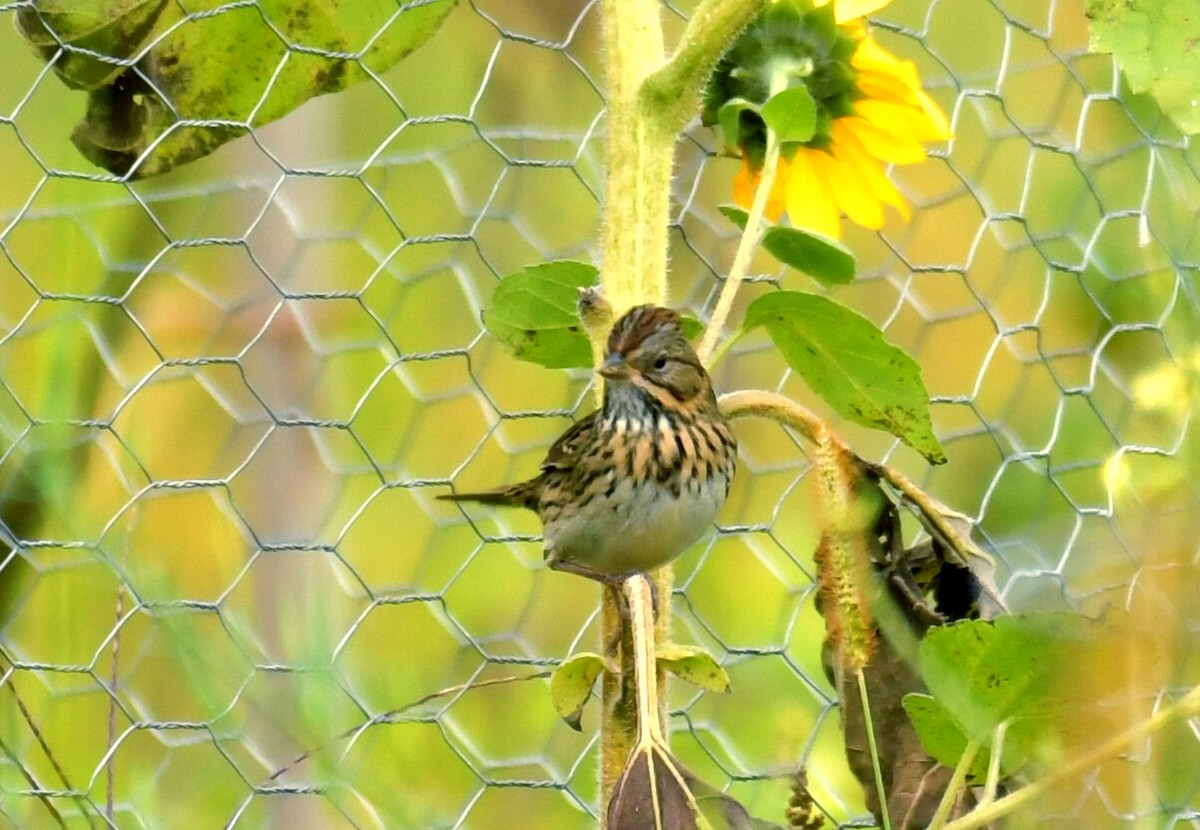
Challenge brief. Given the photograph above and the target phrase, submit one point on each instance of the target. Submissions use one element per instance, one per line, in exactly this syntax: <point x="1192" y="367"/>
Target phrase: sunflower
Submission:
<point x="870" y="111"/>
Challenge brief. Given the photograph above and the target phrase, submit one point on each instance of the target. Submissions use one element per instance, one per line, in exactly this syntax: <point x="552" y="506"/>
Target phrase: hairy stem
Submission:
<point x="749" y="241"/>
<point x="634" y="235"/>
<point x="760" y="403"/>
<point x="674" y="89"/>
<point x="641" y="155"/>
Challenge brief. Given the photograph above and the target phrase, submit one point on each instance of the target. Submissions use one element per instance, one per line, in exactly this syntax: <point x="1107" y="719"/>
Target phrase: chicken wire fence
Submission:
<point x="228" y="397"/>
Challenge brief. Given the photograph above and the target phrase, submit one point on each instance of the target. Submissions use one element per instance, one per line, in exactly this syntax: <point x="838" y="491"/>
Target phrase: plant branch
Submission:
<point x="637" y="595"/>
<point x="993" y="777"/>
<point x="1187" y="706"/>
<point x="745" y="251"/>
<point x="763" y="404"/>
<point x="930" y="509"/>
<point x="673" y="90"/>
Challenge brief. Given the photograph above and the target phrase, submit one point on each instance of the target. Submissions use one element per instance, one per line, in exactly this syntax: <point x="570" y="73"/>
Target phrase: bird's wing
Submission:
<point x="565" y="452"/>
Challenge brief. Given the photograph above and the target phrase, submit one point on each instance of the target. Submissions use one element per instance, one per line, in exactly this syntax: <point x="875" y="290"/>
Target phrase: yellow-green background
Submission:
<point x="228" y="397"/>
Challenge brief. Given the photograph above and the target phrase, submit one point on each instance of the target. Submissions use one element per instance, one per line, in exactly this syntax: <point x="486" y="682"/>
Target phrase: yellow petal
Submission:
<point x="884" y="77"/>
<point x="849" y="149"/>
<point x="847" y="10"/>
<point x="901" y="119"/>
<point x="939" y="126"/>
<point x="852" y="192"/>
<point x="869" y="56"/>
<point x="881" y="87"/>
<point x="886" y="144"/>
<point x="810" y="203"/>
<point x="745" y="183"/>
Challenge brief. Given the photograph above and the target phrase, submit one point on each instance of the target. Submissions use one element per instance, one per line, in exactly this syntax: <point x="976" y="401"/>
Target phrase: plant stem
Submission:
<point x="932" y="511"/>
<point x="955" y="786"/>
<point x="745" y="251"/>
<point x="637" y="595"/>
<point x="1187" y="706"/>
<point x="750" y="236"/>
<point x="634" y="238"/>
<point x="993" y="777"/>
<point x="879" y="788"/>
<point x="640" y="156"/>
<point x="674" y="89"/>
<point x="763" y="404"/>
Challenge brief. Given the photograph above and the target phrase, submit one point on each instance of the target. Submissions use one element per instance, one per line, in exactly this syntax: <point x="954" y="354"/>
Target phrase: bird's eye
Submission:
<point x="660" y="363"/>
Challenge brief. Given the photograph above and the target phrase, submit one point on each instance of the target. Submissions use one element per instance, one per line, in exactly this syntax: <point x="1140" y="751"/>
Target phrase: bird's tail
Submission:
<point x="524" y="495"/>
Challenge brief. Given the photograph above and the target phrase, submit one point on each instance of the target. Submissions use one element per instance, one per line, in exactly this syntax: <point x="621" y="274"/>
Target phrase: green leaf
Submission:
<point x="533" y="312"/>
<point x="985" y="672"/>
<point x="825" y="260"/>
<point x="1154" y="43"/>
<point x="844" y="359"/>
<point x="940" y="735"/>
<point x="694" y="665"/>
<point x="791" y="114"/>
<point x="1008" y="670"/>
<point x="691" y="326"/>
<point x="117" y="28"/>
<point x="735" y="215"/>
<point x="571" y="685"/>
<point x="729" y="117"/>
<point x="133" y="112"/>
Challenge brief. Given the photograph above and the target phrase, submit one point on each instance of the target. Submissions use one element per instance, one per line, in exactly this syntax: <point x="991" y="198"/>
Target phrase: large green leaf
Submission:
<point x="227" y="62"/>
<point x="981" y="674"/>
<point x="117" y="28"/>
<point x="844" y="359"/>
<point x="941" y="737"/>
<point x="824" y="259"/>
<point x="987" y="671"/>
<point x="533" y="312"/>
<point x="1155" y="44"/>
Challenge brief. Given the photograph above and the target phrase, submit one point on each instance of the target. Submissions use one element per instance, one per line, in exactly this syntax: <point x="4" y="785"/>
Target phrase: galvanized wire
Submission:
<point x="228" y="397"/>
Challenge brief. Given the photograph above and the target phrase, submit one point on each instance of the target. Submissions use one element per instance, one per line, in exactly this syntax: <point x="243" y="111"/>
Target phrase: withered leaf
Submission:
<point x="657" y="792"/>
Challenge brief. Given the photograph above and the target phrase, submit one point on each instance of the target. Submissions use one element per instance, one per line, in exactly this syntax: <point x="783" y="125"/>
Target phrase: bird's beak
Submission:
<point x="614" y="367"/>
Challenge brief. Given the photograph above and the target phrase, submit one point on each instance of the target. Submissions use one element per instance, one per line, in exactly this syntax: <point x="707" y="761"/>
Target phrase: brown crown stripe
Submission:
<point x="638" y="324"/>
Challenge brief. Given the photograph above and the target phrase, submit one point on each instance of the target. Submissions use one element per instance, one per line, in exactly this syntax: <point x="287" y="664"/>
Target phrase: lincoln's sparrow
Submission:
<point x="629" y="487"/>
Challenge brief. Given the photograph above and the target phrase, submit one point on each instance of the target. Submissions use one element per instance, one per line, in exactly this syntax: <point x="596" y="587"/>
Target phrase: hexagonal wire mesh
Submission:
<point x="228" y="397"/>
